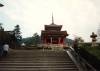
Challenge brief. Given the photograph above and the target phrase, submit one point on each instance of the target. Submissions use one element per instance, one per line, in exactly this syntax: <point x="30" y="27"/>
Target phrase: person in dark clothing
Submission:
<point x="1" y="48"/>
<point x="75" y="45"/>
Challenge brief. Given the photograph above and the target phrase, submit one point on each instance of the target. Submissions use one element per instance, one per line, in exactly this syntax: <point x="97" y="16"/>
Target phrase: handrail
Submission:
<point x="82" y="61"/>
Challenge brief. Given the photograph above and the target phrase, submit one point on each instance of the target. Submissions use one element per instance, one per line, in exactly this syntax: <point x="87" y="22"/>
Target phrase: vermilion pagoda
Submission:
<point x="52" y="35"/>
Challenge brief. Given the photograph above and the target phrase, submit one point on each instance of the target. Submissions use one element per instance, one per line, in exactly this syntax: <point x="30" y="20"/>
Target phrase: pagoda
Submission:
<point x="52" y="35"/>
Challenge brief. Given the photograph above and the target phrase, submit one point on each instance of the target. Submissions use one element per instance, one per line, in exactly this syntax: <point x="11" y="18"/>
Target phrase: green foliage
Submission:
<point x="79" y="39"/>
<point x="95" y="51"/>
<point x="1" y="28"/>
<point x="69" y="41"/>
<point x="34" y="40"/>
<point x="17" y="34"/>
<point x="1" y="5"/>
<point x="28" y="41"/>
<point x="85" y="45"/>
<point x="92" y="50"/>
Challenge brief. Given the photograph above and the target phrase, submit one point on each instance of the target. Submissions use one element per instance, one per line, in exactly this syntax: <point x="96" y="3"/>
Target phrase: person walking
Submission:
<point x="5" y="49"/>
<point x="1" y="49"/>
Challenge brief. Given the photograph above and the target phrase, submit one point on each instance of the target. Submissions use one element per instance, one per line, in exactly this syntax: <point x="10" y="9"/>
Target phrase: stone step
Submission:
<point x="37" y="66"/>
<point x="38" y="60"/>
<point x="22" y="61"/>
<point x="12" y="56"/>
<point x="20" y="55"/>
<point x="33" y="63"/>
<point x="35" y="60"/>
<point x="38" y="69"/>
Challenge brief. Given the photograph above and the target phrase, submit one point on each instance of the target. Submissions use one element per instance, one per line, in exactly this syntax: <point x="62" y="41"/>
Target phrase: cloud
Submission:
<point x="78" y="17"/>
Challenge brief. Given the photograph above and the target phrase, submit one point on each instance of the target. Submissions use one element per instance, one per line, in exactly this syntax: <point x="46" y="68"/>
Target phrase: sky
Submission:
<point x="78" y="17"/>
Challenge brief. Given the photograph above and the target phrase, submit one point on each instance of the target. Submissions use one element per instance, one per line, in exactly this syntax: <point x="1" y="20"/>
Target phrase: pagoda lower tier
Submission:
<point x="52" y="34"/>
<point x="53" y="37"/>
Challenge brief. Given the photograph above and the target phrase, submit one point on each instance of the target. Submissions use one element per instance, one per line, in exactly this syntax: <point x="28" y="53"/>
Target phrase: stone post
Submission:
<point x="93" y="36"/>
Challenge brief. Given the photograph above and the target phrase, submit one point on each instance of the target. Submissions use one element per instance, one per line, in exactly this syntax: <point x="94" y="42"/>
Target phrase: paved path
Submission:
<point x="37" y="60"/>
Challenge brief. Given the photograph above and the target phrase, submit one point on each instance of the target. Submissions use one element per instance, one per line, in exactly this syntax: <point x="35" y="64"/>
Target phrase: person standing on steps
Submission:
<point x="5" y="49"/>
<point x="75" y="45"/>
<point x="1" y="48"/>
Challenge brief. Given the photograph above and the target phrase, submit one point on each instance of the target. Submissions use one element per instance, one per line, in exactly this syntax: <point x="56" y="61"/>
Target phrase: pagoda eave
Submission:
<point x="61" y="33"/>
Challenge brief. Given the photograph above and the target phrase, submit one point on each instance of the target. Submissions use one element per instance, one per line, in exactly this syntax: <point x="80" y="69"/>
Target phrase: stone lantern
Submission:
<point x="93" y="36"/>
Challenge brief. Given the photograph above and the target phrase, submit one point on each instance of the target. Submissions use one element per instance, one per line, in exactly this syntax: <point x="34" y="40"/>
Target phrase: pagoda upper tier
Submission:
<point x="53" y="27"/>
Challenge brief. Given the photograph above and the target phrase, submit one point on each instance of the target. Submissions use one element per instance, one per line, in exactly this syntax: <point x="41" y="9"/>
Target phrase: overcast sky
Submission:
<point x="78" y="17"/>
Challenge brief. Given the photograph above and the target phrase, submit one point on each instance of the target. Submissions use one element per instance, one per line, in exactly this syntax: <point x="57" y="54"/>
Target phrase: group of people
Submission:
<point x="3" y="49"/>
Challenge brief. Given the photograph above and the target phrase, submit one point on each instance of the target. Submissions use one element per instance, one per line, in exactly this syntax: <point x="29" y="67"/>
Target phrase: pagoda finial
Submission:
<point x="52" y="19"/>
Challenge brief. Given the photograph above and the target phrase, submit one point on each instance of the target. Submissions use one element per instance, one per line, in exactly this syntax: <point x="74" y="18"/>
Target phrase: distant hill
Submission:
<point x="30" y="41"/>
<point x="68" y="41"/>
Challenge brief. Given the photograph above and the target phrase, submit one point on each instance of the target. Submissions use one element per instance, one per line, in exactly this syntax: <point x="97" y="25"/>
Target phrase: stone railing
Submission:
<point x="82" y="62"/>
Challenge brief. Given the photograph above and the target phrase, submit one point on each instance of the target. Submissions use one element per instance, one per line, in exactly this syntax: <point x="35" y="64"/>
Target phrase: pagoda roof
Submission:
<point x="64" y="33"/>
<point x="54" y="26"/>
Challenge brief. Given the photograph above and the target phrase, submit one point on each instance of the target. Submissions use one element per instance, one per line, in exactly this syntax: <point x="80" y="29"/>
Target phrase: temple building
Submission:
<point x="52" y="34"/>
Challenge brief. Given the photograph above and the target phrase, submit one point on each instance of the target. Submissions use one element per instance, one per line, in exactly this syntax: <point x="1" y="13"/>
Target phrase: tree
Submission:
<point x="18" y="34"/>
<point x="36" y="39"/>
<point x="1" y="5"/>
<point x="28" y="41"/>
<point x="79" y="39"/>
<point x="1" y="28"/>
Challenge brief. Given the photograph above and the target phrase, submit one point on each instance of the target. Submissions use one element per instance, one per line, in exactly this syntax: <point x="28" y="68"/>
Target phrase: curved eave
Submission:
<point x="45" y="33"/>
<point x="53" y="25"/>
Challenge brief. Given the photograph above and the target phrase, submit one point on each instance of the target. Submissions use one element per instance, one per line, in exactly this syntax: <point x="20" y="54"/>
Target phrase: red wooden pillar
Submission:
<point x="59" y="40"/>
<point x="62" y="40"/>
<point x="45" y="40"/>
<point x="51" y="40"/>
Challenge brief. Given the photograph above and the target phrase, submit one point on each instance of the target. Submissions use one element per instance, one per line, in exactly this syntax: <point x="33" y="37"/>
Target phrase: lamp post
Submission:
<point x="1" y="5"/>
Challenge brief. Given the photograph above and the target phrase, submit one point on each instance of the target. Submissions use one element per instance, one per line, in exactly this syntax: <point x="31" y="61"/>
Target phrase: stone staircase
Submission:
<point x="37" y="60"/>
